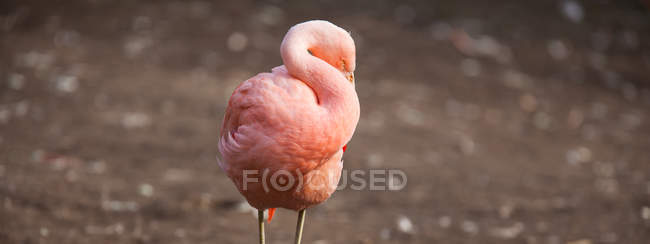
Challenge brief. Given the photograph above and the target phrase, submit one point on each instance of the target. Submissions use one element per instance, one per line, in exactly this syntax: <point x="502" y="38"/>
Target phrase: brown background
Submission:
<point x="513" y="122"/>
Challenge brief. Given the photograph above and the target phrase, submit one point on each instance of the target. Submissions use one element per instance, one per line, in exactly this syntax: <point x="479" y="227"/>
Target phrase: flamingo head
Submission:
<point x="327" y="42"/>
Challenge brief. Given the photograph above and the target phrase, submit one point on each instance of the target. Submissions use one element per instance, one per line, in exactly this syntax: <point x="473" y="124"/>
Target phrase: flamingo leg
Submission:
<point x="301" y="223"/>
<point x="260" y="217"/>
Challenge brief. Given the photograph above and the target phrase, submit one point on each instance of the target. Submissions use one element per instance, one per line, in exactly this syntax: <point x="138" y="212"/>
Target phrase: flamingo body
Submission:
<point x="296" y="119"/>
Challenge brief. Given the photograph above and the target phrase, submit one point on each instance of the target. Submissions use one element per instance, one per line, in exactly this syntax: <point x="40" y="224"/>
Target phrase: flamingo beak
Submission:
<point x="349" y="76"/>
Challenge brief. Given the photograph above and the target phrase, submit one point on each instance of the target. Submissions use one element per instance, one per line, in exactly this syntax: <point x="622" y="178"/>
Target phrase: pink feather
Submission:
<point x="296" y="118"/>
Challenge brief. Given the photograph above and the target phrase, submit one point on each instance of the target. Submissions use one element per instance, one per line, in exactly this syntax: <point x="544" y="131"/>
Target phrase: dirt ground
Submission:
<point x="514" y="121"/>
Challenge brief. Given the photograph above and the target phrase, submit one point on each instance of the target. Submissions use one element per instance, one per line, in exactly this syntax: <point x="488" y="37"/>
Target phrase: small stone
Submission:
<point x="645" y="212"/>
<point x="493" y="116"/>
<point x="578" y="155"/>
<point x="573" y="11"/>
<point x="36" y="60"/>
<point x="270" y="15"/>
<point x="93" y="230"/>
<point x="375" y="120"/>
<point x="462" y="41"/>
<point x="631" y="121"/>
<point x="505" y="211"/>
<point x="21" y="108"/>
<point x="71" y="176"/>
<point x="590" y="132"/>
<point x="244" y="207"/>
<point x="575" y="119"/>
<point x="410" y="115"/>
<point x="609" y="237"/>
<point x="135" y="120"/>
<point x="384" y="234"/>
<point x="508" y="232"/>
<point x="97" y="167"/>
<point x="581" y="241"/>
<point x="177" y="175"/>
<point x="199" y="9"/>
<point x="67" y="83"/>
<point x="405" y="225"/>
<point x="469" y="227"/>
<point x="604" y="170"/>
<point x="38" y="155"/>
<point x="557" y="50"/>
<point x="467" y="145"/>
<point x="599" y="110"/>
<point x="629" y="91"/>
<point x="454" y="108"/>
<point x="44" y="232"/>
<point x="528" y="103"/>
<point x="531" y="240"/>
<point x="119" y="206"/>
<point x="445" y="222"/>
<point x="375" y="160"/>
<point x="598" y="60"/>
<point x="180" y="233"/>
<point x="517" y="80"/>
<point x="146" y="190"/>
<point x="8" y="204"/>
<point x="504" y="55"/>
<point x="206" y="201"/>
<point x="211" y="60"/>
<point x="487" y="46"/>
<point x="432" y="157"/>
<point x="16" y="81"/>
<point x="5" y="115"/>
<point x="136" y="46"/>
<point x="607" y="186"/>
<point x="611" y="79"/>
<point x="237" y="42"/>
<point x="559" y="203"/>
<point x="630" y="39"/>
<point x="541" y="226"/>
<point x="117" y="228"/>
<point x="440" y="31"/>
<point x="542" y="121"/>
<point x="141" y="23"/>
<point x="472" y="112"/>
<point x="66" y="38"/>
<point x="470" y="67"/>
<point x="553" y="239"/>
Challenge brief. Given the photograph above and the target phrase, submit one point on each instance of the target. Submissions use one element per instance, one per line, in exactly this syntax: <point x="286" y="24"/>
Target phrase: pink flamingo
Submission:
<point x="293" y="123"/>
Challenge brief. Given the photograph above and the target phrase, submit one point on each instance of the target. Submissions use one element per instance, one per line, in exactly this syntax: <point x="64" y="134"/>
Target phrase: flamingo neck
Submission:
<point x="329" y="84"/>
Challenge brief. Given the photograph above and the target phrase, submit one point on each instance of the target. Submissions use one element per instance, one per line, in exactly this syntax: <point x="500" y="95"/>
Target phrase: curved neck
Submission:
<point x="329" y="84"/>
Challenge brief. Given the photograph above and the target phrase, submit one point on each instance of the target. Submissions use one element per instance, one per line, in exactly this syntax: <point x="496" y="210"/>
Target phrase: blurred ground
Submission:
<point x="515" y="121"/>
